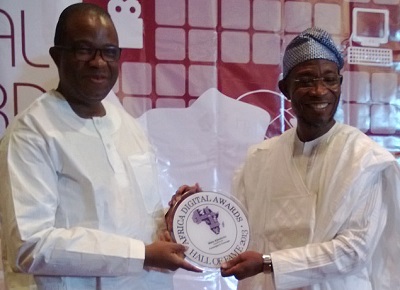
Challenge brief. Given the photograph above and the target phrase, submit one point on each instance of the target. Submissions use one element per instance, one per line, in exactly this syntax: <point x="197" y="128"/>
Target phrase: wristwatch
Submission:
<point x="267" y="264"/>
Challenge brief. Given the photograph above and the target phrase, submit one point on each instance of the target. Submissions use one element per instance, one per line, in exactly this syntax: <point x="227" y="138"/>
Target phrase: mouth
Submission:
<point x="319" y="106"/>
<point x="97" y="79"/>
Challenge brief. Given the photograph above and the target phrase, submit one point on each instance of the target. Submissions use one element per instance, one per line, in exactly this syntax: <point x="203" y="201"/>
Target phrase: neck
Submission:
<point x="87" y="112"/>
<point x="83" y="109"/>
<point x="307" y="132"/>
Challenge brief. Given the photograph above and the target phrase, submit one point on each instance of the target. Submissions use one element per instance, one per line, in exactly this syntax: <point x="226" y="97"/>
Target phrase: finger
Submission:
<point x="165" y="236"/>
<point x="174" y="198"/>
<point x="192" y="189"/>
<point x="189" y="267"/>
<point x="179" y="248"/>
<point x="230" y="263"/>
<point x="177" y="199"/>
<point x="226" y="272"/>
<point x="197" y="187"/>
<point x="182" y="189"/>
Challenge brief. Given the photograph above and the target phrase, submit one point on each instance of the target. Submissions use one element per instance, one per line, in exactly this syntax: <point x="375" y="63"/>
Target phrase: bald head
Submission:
<point x="71" y="11"/>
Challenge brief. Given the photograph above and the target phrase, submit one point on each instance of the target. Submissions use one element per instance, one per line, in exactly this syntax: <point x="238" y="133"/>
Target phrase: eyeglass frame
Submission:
<point x="93" y="51"/>
<point x="313" y="81"/>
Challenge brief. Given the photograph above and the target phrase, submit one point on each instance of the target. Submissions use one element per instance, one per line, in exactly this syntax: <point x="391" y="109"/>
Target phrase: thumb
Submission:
<point x="179" y="248"/>
<point x="230" y="263"/>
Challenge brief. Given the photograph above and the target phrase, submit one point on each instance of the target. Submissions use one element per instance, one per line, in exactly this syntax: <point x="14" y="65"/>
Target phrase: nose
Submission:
<point x="97" y="58"/>
<point x="319" y="87"/>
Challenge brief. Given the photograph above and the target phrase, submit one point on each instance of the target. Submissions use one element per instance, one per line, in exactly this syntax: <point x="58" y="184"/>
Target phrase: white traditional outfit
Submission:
<point x="79" y="198"/>
<point x="328" y="211"/>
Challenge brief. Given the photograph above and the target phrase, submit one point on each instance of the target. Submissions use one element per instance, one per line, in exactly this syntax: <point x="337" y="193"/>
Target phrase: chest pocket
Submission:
<point x="290" y="221"/>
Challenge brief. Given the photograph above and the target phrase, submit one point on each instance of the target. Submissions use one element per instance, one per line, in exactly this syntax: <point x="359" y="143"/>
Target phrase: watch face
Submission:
<point x="267" y="263"/>
<point x="266" y="258"/>
<point x="212" y="225"/>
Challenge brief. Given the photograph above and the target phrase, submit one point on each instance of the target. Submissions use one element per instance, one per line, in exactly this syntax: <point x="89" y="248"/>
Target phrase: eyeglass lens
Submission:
<point x="107" y="54"/>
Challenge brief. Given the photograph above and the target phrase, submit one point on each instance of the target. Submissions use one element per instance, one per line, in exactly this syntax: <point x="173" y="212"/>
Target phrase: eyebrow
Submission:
<point x="310" y="71"/>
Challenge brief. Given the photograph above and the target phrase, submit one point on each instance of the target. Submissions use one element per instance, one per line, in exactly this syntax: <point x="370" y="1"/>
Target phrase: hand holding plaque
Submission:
<point x="182" y="192"/>
<point x="212" y="225"/>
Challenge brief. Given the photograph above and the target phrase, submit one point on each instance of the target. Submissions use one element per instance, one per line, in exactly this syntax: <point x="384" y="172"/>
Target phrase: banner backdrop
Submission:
<point x="208" y="70"/>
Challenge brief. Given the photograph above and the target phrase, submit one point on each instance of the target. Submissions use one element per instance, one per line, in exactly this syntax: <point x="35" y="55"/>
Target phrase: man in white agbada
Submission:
<point x="77" y="176"/>
<point x="323" y="198"/>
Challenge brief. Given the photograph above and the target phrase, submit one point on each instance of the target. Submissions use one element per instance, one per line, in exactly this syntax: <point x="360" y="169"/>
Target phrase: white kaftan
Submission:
<point x="330" y="220"/>
<point x="79" y="198"/>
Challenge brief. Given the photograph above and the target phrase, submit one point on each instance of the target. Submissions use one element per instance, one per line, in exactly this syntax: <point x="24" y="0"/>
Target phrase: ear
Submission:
<point x="283" y="86"/>
<point x="55" y="55"/>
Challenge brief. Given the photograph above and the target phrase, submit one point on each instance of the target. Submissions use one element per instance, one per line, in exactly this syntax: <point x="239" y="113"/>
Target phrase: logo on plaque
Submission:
<point x="212" y="225"/>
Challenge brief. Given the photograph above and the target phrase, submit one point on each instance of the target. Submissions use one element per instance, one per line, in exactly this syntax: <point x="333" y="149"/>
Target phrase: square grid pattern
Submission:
<point x="236" y="46"/>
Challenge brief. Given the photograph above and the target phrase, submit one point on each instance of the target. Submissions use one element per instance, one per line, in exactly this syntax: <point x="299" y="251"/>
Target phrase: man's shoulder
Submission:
<point x="50" y="101"/>
<point x="357" y="145"/>
<point x="351" y="135"/>
<point x="47" y="102"/>
<point x="276" y="142"/>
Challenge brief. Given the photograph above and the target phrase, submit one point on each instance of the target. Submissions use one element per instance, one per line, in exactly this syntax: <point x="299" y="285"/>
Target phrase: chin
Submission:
<point x="97" y="95"/>
<point x="318" y="123"/>
<point x="324" y="123"/>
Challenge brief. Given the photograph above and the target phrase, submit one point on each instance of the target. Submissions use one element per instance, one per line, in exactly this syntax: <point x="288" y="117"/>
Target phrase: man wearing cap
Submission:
<point x="323" y="198"/>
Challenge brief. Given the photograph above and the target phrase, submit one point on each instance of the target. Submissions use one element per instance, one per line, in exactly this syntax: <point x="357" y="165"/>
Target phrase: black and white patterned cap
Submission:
<point x="312" y="43"/>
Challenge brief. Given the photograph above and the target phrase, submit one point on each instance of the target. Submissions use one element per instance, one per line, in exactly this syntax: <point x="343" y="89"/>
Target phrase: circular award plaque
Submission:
<point x="212" y="225"/>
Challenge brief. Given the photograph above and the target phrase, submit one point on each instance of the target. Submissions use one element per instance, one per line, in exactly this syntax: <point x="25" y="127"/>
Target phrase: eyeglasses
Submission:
<point x="108" y="53"/>
<point x="328" y="81"/>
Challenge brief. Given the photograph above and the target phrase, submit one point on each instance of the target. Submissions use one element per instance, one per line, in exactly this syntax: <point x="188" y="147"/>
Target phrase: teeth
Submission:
<point x="320" y="106"/>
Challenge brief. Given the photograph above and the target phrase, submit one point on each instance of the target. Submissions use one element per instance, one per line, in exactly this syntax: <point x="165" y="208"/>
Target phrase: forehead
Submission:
<point x="315" y="66"/>
<point x="90" y="26"/>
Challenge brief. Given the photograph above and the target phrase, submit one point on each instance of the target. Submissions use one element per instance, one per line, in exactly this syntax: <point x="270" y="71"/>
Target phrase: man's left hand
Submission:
<point x="245" y="265"/>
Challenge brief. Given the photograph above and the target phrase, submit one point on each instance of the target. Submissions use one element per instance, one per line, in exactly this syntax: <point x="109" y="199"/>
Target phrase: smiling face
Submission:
<point x="85" y="84"/>
<point x="314" y="103"/>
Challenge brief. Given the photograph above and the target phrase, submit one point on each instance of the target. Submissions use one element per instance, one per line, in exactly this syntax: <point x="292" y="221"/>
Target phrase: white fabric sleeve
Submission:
<point x="29" y="200"/>
<point x="349" y="250"/>
<point x="238" y="185"/>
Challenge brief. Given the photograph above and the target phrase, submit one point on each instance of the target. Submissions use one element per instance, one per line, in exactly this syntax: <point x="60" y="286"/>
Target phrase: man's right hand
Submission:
<point x="167" y="255"/>
<point x="184" y="189"/>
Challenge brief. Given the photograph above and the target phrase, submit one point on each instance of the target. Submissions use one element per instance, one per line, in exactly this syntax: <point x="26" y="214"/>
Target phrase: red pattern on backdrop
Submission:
<point x="236" y="79"/>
